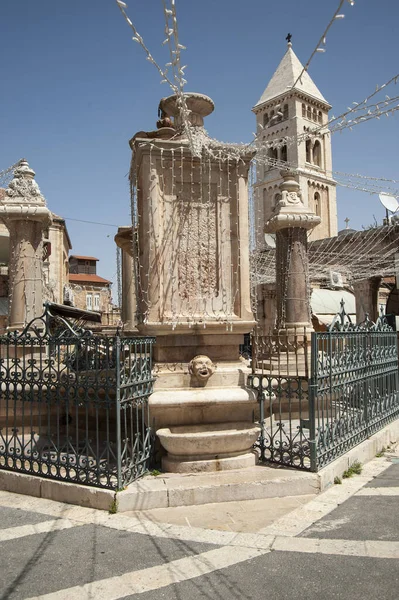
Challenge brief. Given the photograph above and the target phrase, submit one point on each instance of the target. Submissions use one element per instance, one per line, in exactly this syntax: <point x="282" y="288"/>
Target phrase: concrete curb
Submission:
<point x="363" y="453"/>
<point x="60" y="491"/>
<point x="169" y="491"/>
<point x="174" y="490"/>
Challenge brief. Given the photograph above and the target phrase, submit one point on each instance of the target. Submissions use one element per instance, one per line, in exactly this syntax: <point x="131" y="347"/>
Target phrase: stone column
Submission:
<point x="123" y="239"/>
<point x="291" y="222"/>
<point x="25" y="214"/>
<point x="366" y="294"/>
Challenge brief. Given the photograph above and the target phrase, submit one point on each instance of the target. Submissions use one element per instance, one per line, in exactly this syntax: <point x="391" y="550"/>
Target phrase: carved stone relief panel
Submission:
<point x="197" y="255"/>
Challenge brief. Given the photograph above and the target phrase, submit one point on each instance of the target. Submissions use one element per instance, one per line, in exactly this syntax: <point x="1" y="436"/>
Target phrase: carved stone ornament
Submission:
<point x="290" y="198"/>
<point x="201" y="367"/>
<point x="23" y="186"/>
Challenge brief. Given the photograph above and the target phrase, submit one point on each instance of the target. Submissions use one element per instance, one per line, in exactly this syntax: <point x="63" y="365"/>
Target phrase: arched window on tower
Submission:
<point x="283" y="153"/>
<point x="314" y="114"/>
<point x="308" y="151"/>
<point x="317" y="204"/>
<point x="265" y="119"/>
<point x="285" y="112"/>
<point x="303" y="110"/>
<point x="276" y="200"/>
<point x="272" y="119"/>
<point x="317" y="153"/>
<point x="320" y="117"/>
<point x="273" y="154"/>
<point x="309" y="112"/>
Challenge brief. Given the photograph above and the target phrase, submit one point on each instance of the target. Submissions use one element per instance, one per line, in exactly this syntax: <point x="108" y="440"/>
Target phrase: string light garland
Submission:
<point x="119" y="275"/>
<point x="320" y="47"/>
<point x="354" y="261"/>
<point x="178" y="81"/>
<point x="356" y="255"/>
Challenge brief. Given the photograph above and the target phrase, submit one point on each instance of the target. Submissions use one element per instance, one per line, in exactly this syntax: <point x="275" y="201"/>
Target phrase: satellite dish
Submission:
<point x="270" y="240"/>
<point x="389" y="202"/>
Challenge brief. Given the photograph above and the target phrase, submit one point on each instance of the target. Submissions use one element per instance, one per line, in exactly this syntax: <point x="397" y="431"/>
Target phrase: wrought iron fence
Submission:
<point x="280" y="370"/>
<point x="354" y="388"/>
<point x="318" y="400"/>
<point x="73" y="405"/>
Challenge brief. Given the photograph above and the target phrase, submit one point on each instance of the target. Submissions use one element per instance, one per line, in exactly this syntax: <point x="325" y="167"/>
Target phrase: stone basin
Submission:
<point x="208" y="441"/>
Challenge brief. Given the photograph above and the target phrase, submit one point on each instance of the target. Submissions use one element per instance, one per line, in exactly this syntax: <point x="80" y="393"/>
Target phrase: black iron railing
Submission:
<point x="73" y="405"/>
<point x="319" y="400"/>
<point x="354" y="388"/>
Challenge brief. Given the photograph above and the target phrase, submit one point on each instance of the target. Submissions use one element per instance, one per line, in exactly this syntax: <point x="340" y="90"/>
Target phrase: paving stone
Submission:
<point x="360" y="518"/>
<point x="15" y="517"/>
<point x="43" y="563"/>
<point x="289" y="576"/>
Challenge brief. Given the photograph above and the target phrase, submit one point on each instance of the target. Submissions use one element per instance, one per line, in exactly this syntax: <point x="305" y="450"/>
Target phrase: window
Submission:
<point x="265" y="119"/>
<point x="284" y="153"/>
<point x="303" y="110"/>
<point x="308" y="150"/>
<point x="320" y="118"/>
<point x="89" y="301"/>
<point x="317" y="153"/>
<point x="316" y="202"/>
<point x="97" y="302"/>
<point x="272" y="120"/>
<point x="314" y="114"/>
<point x="309" y="112"/>
<point x="285" y="112"/>
<point x="272" y="153"/>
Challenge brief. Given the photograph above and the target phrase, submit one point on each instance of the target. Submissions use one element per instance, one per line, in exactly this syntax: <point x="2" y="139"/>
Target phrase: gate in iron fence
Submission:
<point x="354" y="388"/>
<point x="280" y="365"/>
<point x="73" y="405"/>
<point x="318" y="400"/>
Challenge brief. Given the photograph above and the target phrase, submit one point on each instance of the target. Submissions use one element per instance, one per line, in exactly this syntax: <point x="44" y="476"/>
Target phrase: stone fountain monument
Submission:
<point x="191" y="259"/>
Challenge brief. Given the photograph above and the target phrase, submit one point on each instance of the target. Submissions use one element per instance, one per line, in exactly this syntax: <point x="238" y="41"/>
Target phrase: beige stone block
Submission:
<point x="144" y="494"/>
<point x="72" y="493"/>
<point x="20" y="483"/>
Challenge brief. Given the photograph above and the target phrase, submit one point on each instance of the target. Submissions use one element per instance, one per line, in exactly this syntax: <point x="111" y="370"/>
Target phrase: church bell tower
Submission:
<point x="292" y="117"/>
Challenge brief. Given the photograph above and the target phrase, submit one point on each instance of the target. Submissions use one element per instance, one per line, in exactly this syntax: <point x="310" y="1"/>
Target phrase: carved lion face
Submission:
<point x="201" y="367"/>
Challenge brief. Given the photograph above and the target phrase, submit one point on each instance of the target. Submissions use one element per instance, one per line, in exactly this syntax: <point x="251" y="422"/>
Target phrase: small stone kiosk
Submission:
<point x="191" y="257"/>
<point x="25" y="214"/>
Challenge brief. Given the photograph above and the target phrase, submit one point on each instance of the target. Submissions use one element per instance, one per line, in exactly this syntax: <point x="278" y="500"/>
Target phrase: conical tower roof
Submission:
<point x="284" y="78"/>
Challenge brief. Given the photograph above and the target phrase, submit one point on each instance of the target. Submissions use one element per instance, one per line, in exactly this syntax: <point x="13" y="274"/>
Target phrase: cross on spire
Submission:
<point x="347" y="222"/>
<point x="288" y="38"/>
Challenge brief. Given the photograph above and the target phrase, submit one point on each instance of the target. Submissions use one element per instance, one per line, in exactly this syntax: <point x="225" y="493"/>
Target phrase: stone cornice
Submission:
<point x="290" y="94"/>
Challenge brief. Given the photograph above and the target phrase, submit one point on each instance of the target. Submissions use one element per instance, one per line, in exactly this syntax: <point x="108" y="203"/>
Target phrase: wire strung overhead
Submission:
<point x="320" y="47"/>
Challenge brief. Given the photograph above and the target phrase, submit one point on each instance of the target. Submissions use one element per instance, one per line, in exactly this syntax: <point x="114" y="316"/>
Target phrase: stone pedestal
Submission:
<point x="291" y="222"/>
<point x="25" y="214"/>
<point x="192" y="266"/>
<point x="366" y="294"/>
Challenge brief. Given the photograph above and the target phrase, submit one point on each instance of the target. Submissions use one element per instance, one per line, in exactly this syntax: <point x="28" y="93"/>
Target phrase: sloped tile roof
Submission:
<point x="284" y="78"/>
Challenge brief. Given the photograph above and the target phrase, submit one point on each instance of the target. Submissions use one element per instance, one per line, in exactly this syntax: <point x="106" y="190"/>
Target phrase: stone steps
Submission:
<point x="167" y="490"/>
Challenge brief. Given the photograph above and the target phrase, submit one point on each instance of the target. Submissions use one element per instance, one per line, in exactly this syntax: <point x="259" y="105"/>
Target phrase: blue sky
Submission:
<point x="75" y="88"/>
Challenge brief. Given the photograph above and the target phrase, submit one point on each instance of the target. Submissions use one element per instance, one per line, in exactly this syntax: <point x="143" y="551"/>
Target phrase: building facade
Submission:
<point x="89" y="291"/>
